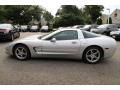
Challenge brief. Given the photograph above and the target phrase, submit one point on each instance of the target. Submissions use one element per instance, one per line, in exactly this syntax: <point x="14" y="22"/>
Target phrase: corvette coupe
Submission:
<point x="65" y="43"/>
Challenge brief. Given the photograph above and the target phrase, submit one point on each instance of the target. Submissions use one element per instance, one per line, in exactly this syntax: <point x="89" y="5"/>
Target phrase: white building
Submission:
<point x="115" y="16"/>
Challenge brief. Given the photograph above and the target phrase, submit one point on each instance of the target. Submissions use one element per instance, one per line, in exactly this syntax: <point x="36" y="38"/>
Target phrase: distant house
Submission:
<point x="104" y="18"/>
<point x="115" y="16"/>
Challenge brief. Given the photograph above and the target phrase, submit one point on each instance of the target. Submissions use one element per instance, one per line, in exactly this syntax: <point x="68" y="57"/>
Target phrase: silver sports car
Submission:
<point x="65" y="43"/>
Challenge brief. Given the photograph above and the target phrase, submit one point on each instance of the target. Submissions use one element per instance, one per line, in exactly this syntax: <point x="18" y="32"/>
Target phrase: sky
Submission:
<point x="53" y="5"/>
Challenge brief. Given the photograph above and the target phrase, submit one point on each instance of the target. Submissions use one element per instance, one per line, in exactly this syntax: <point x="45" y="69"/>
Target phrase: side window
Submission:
<point x="89" y="34"/>
<point x="65" y="35"/>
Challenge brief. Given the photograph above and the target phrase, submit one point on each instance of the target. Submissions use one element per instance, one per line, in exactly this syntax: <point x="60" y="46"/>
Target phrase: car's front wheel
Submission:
<point x="92" y="55"/>
<point x="18" y="34"/>
<point x="21" y="52"/>
<point x="11" y="37"/>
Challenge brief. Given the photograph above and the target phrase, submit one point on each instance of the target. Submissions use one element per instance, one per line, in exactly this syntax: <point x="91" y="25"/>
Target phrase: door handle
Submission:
<point x="74" y="42"/>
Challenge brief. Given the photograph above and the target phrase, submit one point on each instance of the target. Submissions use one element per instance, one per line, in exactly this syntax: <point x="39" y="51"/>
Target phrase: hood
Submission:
<point x="25" y="40"/>
<point x="4" y="30"/>
<point x="31" y="37"/>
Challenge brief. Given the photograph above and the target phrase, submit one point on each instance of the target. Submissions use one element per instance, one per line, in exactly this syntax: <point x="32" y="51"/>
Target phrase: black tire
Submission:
<point x="86" y="59"/>
<point x="27" y="51"/>
<point x="18" y="35"/>
<point x="11" y="37"/>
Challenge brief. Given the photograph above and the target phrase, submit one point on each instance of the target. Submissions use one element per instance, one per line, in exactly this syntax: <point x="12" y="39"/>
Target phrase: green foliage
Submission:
<point x="93" y="11"/>
<point x="48" y="16"/>
<point x="68" y="9"/>
<point x="20" y="14"/>
<point x="68" y="15"/>
<point x="86" y="18"/>
<point x="99" y="21"/>
<point x="67" y="20"/>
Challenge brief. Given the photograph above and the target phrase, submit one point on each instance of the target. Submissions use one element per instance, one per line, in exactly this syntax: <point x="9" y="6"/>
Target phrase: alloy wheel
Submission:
<point x="21" y="53"/>
<point x="93" y="55"/>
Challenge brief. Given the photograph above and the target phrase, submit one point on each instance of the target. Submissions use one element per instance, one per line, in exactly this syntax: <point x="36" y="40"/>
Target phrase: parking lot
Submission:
<point x="57" y="71"/>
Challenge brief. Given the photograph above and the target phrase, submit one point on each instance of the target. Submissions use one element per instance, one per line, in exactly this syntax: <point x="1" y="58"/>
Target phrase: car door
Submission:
<point x="65" y="42"/>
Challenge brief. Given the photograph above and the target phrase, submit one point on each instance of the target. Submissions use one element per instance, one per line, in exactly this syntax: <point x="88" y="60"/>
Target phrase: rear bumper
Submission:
<point x="109" y="51"/>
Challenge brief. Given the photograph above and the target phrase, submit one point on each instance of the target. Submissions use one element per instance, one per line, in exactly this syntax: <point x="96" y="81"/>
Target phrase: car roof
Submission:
<point x="69" y="29"/>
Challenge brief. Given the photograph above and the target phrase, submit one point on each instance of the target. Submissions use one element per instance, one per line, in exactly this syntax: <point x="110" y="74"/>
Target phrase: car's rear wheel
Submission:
<point x="92" y="55"/>
<point x="21" y="52"/>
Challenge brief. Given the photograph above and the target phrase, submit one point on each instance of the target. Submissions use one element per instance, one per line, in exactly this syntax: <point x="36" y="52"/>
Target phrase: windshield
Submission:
<point x="5" y="26"/>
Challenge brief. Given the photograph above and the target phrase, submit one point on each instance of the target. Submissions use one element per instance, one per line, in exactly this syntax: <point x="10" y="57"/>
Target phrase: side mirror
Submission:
<point x="53" y="40"/>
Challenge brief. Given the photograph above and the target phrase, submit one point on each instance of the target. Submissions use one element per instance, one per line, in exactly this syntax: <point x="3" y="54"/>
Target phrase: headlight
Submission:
<point x="6" y="31"/>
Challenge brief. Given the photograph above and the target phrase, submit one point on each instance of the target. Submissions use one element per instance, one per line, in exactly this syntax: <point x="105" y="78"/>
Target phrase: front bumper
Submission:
<point x="4" y="36"/>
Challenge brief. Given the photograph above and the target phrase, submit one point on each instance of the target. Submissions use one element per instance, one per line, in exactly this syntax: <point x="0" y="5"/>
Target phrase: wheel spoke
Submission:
<point x="92" y="58"/>
<point x="88" y="55"/>
<point x="91" y="51"/>
<point x="95" y="57"/>
<point x="97" y="52"/>
<point x="22" y="50"/>
<point x="18" y="50"/>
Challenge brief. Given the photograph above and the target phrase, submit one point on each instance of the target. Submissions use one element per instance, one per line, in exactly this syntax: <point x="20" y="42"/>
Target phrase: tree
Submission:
<point x="48" y="16"/>
<point x="93" y="11"/>
<point x="20" y="14"/>
<point x="2" y="13"/>
<point x="68" y="15"/>
<point x="68" y="9"/>
<point x="99" y="21"/>
<point x="86" y="18"/>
